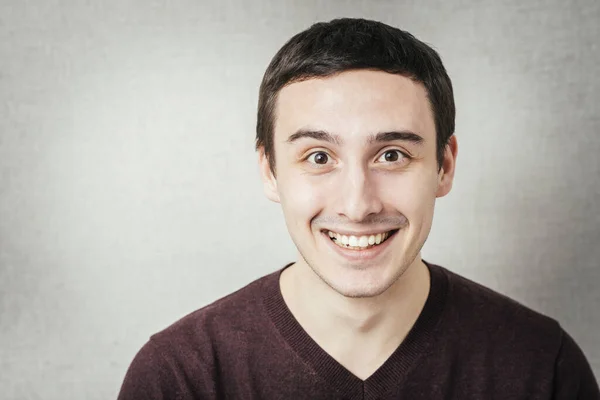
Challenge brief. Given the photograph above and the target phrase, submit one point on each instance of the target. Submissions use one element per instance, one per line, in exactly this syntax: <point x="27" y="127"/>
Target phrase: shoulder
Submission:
<point x="182" y="360"/>
<point x="475" y="309"/>
<point x="574" y="377"/>
<point x="236" y="312"/>
<point x="487" y="335"/>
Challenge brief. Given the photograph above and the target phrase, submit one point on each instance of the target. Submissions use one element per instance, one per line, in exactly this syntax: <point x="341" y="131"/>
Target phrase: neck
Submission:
<point x="380" y="319"/>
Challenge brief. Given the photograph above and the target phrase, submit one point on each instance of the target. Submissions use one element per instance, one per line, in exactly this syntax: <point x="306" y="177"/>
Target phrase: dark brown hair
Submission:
<point x="329" y="48"/>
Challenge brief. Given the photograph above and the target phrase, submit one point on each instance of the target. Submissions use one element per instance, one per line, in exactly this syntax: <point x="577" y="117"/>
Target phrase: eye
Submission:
<point x="318" y="157"/>
<point x="392" y="156"/>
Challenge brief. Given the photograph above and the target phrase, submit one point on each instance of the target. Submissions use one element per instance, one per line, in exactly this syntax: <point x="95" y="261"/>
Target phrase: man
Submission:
<point x="356" y="141"/>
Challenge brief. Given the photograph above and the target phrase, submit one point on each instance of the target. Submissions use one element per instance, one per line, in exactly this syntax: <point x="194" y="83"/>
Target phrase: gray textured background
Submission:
<point x="130" y="195"/>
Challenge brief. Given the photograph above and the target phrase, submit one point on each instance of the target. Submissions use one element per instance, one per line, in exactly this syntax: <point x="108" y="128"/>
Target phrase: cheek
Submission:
<point x="423" y="203"/>
<point x="302" y="197"/>
<point x="412" y="194"/>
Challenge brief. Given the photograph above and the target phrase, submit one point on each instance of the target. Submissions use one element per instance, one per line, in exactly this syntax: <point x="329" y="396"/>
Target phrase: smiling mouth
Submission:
<point x="359" y="242"/>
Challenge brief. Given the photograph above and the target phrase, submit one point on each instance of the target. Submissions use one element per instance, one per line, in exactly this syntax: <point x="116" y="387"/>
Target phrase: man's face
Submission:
<point x="356" y="161"/>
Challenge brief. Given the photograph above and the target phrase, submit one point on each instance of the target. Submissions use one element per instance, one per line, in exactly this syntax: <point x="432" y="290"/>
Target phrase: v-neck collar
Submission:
<point x="394" y="369"/>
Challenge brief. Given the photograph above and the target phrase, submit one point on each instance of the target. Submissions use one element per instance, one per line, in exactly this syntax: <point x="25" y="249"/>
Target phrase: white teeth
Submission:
<point x="363" y="241"/>
<point x="360" y="242"/>
<point x="378" y="238"/>
<point x="353" y="241"/>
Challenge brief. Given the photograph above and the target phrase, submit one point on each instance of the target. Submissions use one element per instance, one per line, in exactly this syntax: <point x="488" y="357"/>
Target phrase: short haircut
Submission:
<point x="329" y="48"/>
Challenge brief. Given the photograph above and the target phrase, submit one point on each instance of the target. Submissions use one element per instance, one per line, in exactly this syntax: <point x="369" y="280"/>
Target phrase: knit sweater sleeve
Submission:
<point x="149" y="376"/>
<point x="155" y="375"/>
<point x="574" y="379"/>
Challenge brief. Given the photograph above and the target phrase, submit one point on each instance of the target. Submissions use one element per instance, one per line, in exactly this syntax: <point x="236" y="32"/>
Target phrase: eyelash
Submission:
<point x="404" y="155"/>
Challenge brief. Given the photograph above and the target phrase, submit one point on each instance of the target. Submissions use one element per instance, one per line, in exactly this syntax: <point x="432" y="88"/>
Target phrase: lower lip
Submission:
<point x="360" y="255"/>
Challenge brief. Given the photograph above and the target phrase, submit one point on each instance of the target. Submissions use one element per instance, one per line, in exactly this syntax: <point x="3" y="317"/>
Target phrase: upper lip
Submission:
<point x="358" y="233"/>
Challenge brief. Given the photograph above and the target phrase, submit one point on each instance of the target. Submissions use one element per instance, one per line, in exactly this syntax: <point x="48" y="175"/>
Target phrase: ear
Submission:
<point x="446" y="174"/>
<point x="269" y="180"/>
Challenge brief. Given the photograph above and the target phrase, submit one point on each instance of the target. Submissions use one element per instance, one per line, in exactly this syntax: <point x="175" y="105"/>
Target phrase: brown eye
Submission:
<point x="392" y="156"/>
<point x="319" y="158"/>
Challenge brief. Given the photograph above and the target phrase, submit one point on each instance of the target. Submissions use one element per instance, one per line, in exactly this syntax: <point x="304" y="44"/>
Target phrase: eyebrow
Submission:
<point x="381" y="137"/>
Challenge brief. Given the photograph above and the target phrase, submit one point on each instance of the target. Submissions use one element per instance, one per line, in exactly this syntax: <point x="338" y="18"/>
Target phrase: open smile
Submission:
<point x="359" y="248"/>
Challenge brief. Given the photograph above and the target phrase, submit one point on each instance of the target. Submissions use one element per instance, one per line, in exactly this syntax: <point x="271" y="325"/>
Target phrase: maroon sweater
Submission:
<point x="469" y="342"/>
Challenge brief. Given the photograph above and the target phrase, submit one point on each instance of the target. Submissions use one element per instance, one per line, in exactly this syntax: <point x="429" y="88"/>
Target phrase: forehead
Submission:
<point x="354" y="104"/>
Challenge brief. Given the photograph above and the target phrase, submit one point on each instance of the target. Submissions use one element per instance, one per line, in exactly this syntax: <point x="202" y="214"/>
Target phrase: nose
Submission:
<point x="357" y="194"/>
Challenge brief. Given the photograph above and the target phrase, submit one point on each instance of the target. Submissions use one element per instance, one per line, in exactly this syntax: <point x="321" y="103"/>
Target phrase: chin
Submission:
<point x="360" y="292"/>
<point x="360" y="284"/>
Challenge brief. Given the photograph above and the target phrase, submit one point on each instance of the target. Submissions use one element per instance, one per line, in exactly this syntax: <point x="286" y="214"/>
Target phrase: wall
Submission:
<point x="130" y="195"/>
